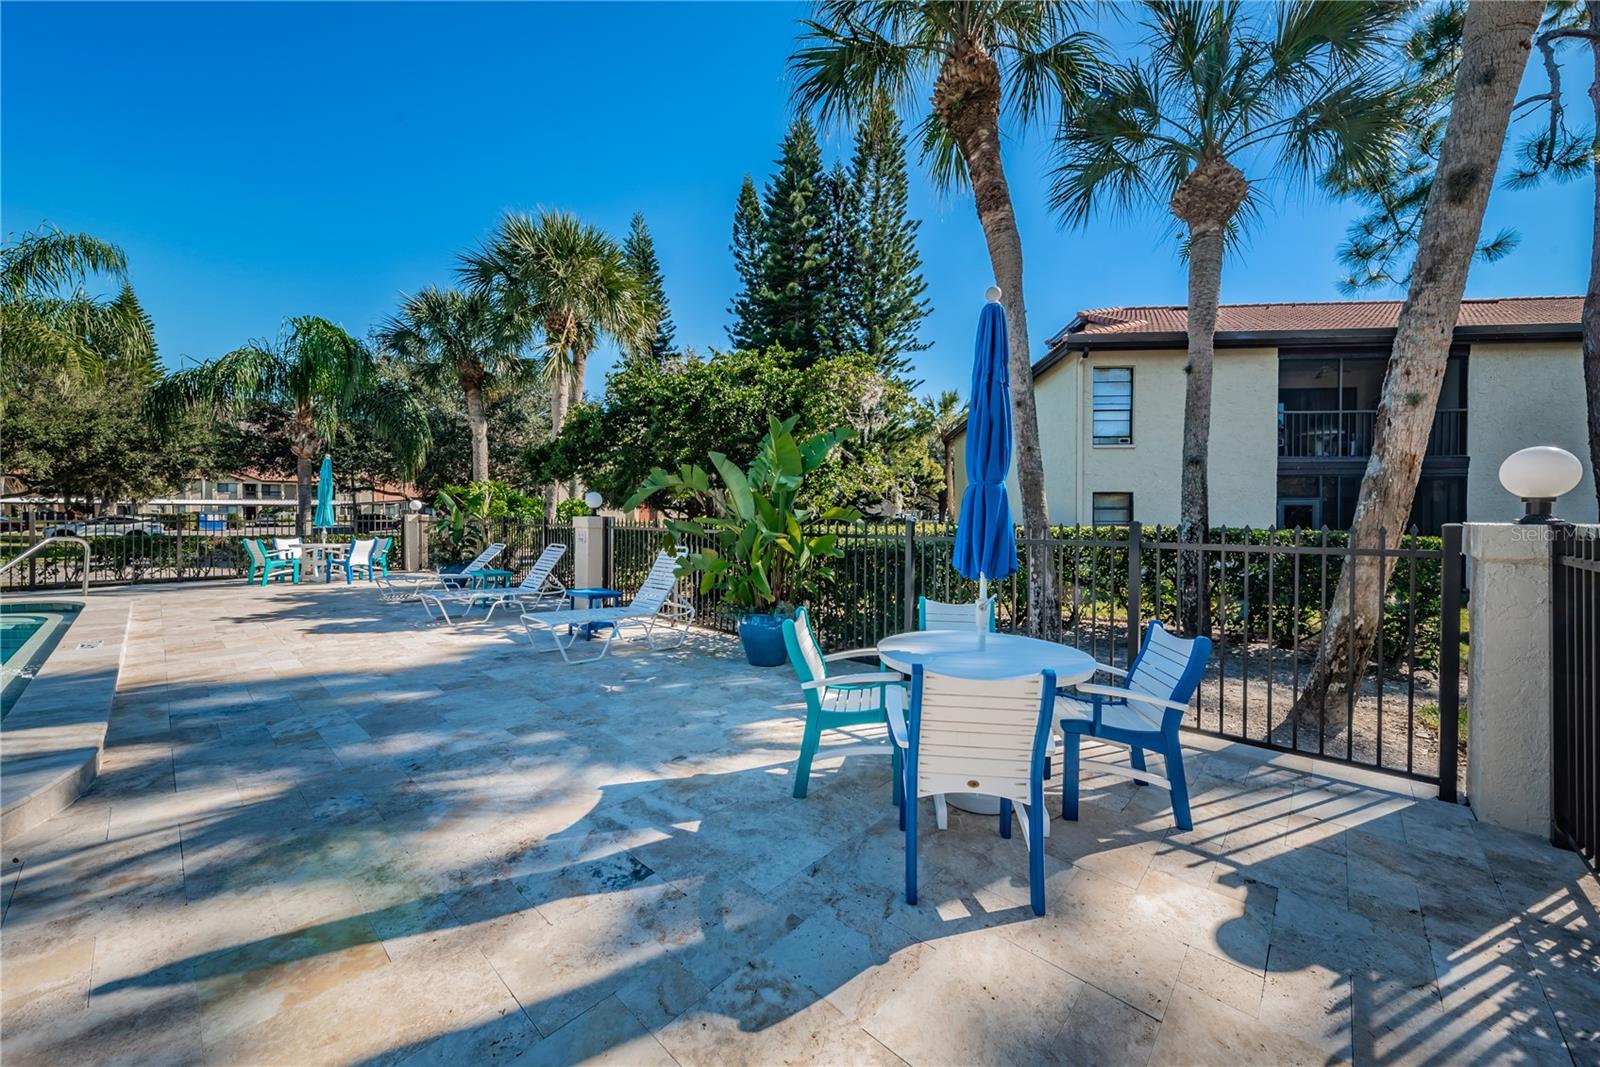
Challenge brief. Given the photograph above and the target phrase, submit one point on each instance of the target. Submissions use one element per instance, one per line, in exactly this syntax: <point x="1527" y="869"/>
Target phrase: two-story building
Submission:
<point x="1294" y="402"/>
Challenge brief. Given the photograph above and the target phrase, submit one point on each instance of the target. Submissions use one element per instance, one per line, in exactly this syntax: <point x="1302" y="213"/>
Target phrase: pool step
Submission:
<point x="50" y="742"/>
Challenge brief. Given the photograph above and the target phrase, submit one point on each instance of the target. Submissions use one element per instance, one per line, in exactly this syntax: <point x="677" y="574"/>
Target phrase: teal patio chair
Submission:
<point x="989" y="736"/>
<point x="939" y="615"/>
<point x="266" y="563"/>
<point x="1145" y="712"/>
<point x="836" y="701"/>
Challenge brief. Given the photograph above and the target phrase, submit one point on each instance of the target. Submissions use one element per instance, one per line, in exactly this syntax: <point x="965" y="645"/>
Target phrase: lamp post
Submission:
<point x="1538" y="475"/>
<point x="594" y="500"/>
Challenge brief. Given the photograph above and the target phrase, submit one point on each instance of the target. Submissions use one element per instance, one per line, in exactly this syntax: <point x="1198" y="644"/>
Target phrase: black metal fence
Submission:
<point x="167" y="548"/>
<point x="1268" y="595"/>
<point x="1575" y="692"/>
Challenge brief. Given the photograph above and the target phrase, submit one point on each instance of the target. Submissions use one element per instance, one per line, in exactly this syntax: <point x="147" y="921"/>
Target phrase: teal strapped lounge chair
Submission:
<point x="836" y="701"/>
<point x="267" y="563"/>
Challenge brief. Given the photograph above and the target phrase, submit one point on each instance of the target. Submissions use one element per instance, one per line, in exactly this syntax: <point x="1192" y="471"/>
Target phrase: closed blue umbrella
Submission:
<point x="324" y="516"/>
<point x="986" y="540"/>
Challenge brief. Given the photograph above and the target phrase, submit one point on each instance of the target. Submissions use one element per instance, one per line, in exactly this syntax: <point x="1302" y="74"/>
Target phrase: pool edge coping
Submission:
<point x="52" y="740"/>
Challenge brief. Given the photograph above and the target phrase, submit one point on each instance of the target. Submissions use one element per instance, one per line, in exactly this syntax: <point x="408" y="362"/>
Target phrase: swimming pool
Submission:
<point x="28" y="631"/>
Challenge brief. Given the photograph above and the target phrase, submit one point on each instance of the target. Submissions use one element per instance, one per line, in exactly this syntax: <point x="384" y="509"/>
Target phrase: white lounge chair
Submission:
<point x="402" y="589"/>
<point x="539" y="589"/>
<point x="652" y="606"/>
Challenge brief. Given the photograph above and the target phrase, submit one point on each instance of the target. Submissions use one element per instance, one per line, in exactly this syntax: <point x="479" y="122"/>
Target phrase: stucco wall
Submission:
<point x="1244" y="438"/>
<point x="1520" y="395"/>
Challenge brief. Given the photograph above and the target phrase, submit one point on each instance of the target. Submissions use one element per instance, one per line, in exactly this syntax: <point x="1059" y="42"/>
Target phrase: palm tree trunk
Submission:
<point x="1591" y="299"/>
<point x="966" y="98"/>
<point x="1194" y="512"/>
<point x="302" y="492"/>
<point x="948" y="496"/>
<point x="1495" y="46"/>
<point x="477" y="427"/>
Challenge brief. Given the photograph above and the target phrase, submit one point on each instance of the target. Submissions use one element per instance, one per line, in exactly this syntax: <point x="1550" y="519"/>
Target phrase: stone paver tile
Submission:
<point x="849" y="957"/>
<point x="1100" y="1029"/>
<point x="1488" y="985"/>
<point x="759" y="1016"/>
<point x="1238" y="987"/>
<point x="607" y="1035"/>
<point x="1200" y="1030"/>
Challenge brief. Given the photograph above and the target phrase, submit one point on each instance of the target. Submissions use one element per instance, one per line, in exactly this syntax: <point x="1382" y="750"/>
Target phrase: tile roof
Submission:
<point x="1320" y="315"/>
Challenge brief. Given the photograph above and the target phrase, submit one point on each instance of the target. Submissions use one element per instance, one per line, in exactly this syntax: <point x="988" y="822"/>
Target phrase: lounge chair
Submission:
<point x="539" y="589"/>
<point x="267" y="563"/>
<point x="837" y="701"/>
<point x="652" y="606"/>
<point x="988" y="736"/>
<point x="1144" y="712"/>
<point x="398" y="591"/>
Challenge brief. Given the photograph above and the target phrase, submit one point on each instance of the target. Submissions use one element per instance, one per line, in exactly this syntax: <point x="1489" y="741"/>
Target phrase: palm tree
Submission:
<point x="854" y="50"/>
<point x="573" y="284"/>
<point x="1218" y="90"/>
<point x="465" y="338"/>
<point x="49" y="320"/>
<point x="1494" y="52"/>
<point x="319" y="377"/>
<point x="944" y="414"/>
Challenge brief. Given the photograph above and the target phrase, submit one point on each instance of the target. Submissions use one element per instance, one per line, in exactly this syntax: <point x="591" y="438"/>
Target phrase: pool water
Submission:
<point x="28" y="631"/>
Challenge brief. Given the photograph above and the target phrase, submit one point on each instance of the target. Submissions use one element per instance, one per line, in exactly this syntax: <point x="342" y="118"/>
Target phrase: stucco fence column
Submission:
<point x="589" y="551"/>
<point x="1508" y="674"/>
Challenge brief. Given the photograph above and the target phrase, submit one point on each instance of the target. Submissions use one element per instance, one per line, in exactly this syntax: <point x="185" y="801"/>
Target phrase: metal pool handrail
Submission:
<point x="46" y="541"/>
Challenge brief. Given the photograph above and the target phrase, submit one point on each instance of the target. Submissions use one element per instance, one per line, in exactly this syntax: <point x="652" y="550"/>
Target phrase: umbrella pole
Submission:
<point x="981" y="613"/>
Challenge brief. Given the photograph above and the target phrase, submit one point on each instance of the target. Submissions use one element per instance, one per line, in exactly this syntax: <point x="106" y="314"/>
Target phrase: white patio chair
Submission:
<point x="651" y="607"/>
<point x="986" y="736"/>
<point x="289" y="546"/>
<point x="539" y="589"/>
<point x="941" y="615"/>
<point x="400" y="589"/>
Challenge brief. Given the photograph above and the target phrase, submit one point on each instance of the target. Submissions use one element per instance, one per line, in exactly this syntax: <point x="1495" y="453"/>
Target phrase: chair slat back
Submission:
<point x="361" y="553"/>
<point x="253" y="549"/>
<point x="485" y="557"/>
<point x="281" y="544"/>
<point x="1168" y="667"/>
<point x="539" y="573"/>
<point x="658" y="584"/>
<point x="940" y="615"/>
<point x="805" y="655"/>
<point x="979" y="735"/>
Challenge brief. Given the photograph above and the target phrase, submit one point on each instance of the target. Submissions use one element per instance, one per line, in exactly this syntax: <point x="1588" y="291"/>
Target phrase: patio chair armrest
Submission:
<point x="894" y="711"/>
<point x="850" y="653"/>
<point x="1130" y="695"/>
<point x="1106" y="668"/>
<point x="861" y="680"/>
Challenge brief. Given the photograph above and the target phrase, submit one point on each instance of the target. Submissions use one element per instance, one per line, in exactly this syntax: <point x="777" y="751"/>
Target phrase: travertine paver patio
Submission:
<point x="326" y="833"/>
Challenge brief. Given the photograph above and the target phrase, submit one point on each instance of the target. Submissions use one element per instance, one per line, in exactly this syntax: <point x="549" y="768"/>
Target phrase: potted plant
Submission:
<point x="754" y="544"/>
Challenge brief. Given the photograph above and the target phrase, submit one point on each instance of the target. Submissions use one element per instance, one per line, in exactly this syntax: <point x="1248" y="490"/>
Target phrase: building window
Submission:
<point x="1112" y="509"/>
<point x="272" y="492"/>
<point x="227" y="488"/>
<point x="1113" y="405"/>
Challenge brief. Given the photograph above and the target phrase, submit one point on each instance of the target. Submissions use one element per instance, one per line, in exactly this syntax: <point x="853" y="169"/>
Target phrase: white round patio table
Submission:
<point x="1003" y="656"/>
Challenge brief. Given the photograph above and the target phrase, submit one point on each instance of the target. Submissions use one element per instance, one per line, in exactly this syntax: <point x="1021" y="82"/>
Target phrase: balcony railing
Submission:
<point x="1349" y="434"/>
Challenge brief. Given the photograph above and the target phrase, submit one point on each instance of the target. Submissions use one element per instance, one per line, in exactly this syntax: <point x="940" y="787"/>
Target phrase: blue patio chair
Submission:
<point x="836" y="701"/>
<point x="266" y="563"/>
<point x="1143" y="713"/>
<point x="939" y="615"/>
<point x="359" y="560"/>
<point x="988" y="736"/>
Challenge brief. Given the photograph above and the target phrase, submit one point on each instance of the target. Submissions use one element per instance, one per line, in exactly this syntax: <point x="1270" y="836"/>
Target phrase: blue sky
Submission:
<point x="259" y="161"/>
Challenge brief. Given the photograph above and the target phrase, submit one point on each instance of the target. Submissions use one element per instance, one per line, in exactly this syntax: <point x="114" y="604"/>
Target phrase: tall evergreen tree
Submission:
<point x="749" y="325"/>
<point x="888" y="286"/>
<point x="794" y="229"/>
<point x="640" y="251"/>
<point x="842" y="312"/>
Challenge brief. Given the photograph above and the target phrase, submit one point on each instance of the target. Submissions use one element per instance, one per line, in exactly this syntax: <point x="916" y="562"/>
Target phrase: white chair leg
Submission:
<point x="941" y="811"/>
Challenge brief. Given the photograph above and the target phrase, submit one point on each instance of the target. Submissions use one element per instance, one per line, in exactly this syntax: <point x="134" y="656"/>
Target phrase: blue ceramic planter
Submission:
<point x="762" y="637"/>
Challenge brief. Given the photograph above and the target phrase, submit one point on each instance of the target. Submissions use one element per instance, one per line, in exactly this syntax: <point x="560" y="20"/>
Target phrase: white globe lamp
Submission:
<point x="594" y="500"/>
<point x="1538" y="475"/>
<point x="415" y="506"/>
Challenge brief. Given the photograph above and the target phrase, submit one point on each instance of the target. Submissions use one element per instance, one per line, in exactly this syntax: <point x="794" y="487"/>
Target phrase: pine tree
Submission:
<point x="794" y="228"/>
<point x="842" y="312"/>
<point x="749" y="251"/>
<point x="640" y="251"/>
<point x="888" y="280"/>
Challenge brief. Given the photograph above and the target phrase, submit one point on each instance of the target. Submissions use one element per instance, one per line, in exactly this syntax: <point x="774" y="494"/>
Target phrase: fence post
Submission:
<point x="33" y="561"/>
<point x="1450" y="564"/>
<point x="1135" y="588"/>
<point x="910" y="606"/>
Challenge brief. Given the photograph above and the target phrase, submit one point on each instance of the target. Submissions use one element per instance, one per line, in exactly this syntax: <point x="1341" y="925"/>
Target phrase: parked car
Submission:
<point x="108" y="526"/>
